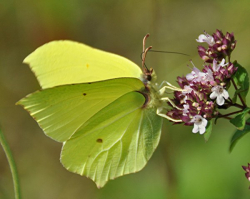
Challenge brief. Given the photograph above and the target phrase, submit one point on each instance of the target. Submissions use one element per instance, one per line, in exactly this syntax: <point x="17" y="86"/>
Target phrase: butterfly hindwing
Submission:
<point x="118" y="140"/>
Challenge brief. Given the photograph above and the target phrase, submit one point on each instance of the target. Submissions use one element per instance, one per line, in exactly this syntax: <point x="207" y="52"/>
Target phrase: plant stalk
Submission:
<point x="241" y="99"/>
<point x="12" y="165"/>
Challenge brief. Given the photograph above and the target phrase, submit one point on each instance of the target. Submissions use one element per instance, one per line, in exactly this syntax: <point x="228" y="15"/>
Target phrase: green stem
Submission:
<point x="229" y="118"/>
<point x="235" y="86"/>
<point x="241" y="99"/>
<point x="226" y="115"/>
<point x="12" y="165"/>
<point x="235" y="104"/>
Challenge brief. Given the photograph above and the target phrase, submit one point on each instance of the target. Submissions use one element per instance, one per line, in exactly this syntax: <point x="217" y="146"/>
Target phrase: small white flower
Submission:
<point x="208" y="76"/>
<point x="216" y="66"/>
<point x="187" y="89"/>
<point x="200" y="124"/>
<point x="206" y="38"/>
<point x="197" y="76"/>
<point x="220" y="94"/>
<point x="185" y="109"/>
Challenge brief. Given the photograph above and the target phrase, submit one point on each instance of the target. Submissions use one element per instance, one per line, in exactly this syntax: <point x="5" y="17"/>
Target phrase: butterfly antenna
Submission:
<point x="160" y="51"/>
<point x="143" y="55"/>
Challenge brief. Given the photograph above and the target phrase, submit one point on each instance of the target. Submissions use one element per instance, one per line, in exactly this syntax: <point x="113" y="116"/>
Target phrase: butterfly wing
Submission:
<point x="106" y="129"/>
<point x="116" y="141"/>
<point x="62" y="110"/>
<point x="67" y="62"/>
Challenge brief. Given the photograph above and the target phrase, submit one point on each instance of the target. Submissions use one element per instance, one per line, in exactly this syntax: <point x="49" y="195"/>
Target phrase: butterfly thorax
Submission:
<point x="151" y="92"/>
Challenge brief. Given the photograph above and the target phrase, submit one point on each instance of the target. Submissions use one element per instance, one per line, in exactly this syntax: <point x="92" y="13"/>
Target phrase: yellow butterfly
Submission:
<point x="101" y="106"/>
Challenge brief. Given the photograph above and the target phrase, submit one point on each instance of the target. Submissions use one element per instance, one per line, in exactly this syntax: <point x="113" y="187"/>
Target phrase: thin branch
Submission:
<point x="226" y="115"/>
<point x="241" y="99"/>
<point x="235" y="104"/>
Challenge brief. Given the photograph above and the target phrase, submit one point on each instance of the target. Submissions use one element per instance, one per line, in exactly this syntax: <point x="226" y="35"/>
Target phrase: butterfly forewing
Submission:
<point x="62" y="110"/>
<point x="67" y="62"/>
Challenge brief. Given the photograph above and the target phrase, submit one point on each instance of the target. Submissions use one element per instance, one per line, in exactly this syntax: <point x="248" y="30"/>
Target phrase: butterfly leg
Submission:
<point x="171" y="102"/>
<point x="169" y="87"/>
<point x="159" y="112"/>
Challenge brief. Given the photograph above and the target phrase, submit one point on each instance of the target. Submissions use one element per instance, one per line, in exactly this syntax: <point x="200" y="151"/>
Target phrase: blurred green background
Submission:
<point x="183" y="166"/>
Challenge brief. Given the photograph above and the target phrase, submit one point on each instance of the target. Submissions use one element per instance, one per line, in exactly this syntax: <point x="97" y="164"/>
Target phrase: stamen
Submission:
<point x="192" y="62"/>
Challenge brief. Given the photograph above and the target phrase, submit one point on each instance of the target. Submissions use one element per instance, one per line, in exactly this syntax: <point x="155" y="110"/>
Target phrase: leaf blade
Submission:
<point x="239" y="134"/>
<point x="208" y="130"/>
<point x="241" y="79"/>
<point x="239" y="120"/>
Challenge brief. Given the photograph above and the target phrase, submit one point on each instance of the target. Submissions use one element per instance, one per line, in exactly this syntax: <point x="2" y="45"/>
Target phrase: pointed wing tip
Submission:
<point x="100" y="185"/>
<point x="27" y="59"/>
<point x="20" y="102"/>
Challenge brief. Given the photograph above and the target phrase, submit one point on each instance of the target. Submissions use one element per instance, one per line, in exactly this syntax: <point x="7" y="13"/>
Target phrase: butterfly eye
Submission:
<point x="149" y="77"/>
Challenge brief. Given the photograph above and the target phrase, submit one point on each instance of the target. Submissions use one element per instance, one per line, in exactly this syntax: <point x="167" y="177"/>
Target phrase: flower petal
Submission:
<point x="201" y="38"/>
<point x="206" y="38"/>
<point x="204" y="122"/>
<point x="202" y="130"/>
<point x="195" y="129"/>
<point x="213" y="95"/>
<point x="220" y="100"/>
<point x="225" y="94"/>
<point x="189" y="76"/>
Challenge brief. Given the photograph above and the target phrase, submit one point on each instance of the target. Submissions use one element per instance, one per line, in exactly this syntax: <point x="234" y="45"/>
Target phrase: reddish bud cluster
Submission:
<point x="221" y="47"/>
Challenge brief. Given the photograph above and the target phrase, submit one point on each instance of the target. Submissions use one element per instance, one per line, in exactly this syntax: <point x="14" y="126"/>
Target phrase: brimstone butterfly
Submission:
<point x="101" y="106"/>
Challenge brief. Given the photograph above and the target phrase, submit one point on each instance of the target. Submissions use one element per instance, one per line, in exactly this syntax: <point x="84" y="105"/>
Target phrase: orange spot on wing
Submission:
<point x="87" y="65"/>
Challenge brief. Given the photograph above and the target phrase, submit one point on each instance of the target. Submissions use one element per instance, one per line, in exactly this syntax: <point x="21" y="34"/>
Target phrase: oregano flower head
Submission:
<point x="219" y="46"/>
<point x="205" y="91"/>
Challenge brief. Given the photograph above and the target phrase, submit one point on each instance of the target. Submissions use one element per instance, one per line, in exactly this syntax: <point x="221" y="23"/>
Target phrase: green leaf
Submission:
<point x="208" y="130"/>
<point x="239" y="120"/>
<point x="242" y="81"/>
<point x="234" y="99"/>
<point x="239" y="134"/>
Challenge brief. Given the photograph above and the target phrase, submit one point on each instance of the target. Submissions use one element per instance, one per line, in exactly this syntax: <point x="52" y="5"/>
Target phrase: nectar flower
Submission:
<point x="247" y="169"/>
<point x="206" y="38"/>
<point x="200" y="124"/>
<point x="219" y="93"/>
<point x="196" y="75"/>
<point x="219" y="46"/>
<point x="195" y="104"/>
<point x="216" y="66"/>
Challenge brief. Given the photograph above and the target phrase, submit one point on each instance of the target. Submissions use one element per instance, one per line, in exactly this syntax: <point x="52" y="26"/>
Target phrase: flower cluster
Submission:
<point x="219" y="46"/>
<point x="204" y="90"/>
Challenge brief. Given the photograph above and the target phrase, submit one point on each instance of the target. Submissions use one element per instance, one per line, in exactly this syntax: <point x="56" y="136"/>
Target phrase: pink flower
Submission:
<point x="216" y="66"/>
